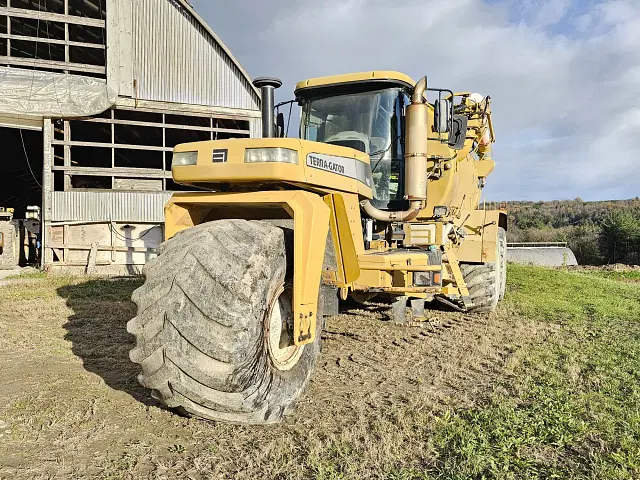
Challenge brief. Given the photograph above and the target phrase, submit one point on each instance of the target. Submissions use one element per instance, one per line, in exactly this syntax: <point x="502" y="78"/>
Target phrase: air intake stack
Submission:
<point x="267" y="86"/>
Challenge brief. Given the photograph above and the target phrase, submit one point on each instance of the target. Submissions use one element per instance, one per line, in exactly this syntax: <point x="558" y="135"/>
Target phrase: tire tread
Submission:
<point x="199" y="334"/>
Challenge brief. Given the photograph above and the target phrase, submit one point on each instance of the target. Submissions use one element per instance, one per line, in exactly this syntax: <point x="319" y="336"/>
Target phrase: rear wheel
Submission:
<point x="214" y="330"/>
<point x="486" y="282"/>
<point x="502" y="249"/>
<point x="483" y="284"/>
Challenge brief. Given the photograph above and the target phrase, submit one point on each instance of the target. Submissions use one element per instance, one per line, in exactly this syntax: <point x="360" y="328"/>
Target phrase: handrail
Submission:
<point x="536" y="244"/>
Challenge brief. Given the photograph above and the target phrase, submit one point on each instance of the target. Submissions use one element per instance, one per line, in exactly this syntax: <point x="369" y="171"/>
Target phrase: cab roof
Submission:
<point x="382" y="76"/>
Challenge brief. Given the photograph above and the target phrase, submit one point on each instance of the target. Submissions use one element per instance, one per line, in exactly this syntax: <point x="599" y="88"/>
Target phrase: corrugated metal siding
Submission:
<point x="176" y="60"/>
<point x="145" y="207"/>
<point x="255" y="127"/>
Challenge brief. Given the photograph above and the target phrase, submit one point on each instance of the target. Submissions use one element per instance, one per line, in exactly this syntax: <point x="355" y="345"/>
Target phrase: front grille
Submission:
<point x="219" y="156"/>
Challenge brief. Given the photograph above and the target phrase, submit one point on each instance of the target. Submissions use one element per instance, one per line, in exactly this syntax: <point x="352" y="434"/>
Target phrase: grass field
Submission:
<point x="548" y="387"/>
<point x="632" y="276"/>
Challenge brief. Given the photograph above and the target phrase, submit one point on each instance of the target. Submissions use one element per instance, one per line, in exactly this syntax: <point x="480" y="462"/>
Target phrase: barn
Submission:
<point x="94" y="95"/>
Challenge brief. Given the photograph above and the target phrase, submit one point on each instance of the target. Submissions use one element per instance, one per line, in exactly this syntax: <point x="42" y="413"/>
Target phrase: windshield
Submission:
<point x="370" y="122"/>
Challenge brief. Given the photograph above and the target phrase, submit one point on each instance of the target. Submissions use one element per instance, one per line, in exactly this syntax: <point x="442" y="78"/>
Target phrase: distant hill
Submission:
<point x="598" y="232"/>
<point x="565" y="213"/>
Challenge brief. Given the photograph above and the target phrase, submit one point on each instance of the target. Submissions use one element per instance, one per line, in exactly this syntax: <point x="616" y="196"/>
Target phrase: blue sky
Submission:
<point x="564" y="75"/>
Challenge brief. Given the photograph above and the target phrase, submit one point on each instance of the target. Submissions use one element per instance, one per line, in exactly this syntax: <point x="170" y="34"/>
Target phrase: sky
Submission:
<point x="563" y="75"/>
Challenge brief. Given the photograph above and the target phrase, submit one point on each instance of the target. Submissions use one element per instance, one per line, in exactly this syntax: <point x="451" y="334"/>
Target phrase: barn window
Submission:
<point x="130" y="149"/>
<point x="54" y="36"/>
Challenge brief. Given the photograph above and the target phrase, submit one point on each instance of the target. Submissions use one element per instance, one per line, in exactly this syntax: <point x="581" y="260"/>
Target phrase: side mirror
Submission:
<point x="280" y="125"/>
<point x="459" y="134"/>
<point x="441" y="116"/>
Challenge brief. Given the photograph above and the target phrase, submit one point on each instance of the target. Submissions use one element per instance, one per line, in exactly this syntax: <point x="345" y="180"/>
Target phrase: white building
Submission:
<point x="99" y="92"/>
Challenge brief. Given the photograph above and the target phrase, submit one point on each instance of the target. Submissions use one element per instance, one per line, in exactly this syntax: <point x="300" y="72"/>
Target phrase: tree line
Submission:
<point x="599" y="233"/>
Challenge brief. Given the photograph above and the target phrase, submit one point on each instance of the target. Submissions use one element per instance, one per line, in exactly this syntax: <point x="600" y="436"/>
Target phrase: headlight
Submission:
<point x="427" y="279"/>
<point x="184" y="158"/>
<point x="280" y="155"/>
<point x="440" y="211"/>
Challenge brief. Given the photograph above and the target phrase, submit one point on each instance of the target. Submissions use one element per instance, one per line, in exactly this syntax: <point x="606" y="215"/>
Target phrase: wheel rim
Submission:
<point x="279" y="326"/>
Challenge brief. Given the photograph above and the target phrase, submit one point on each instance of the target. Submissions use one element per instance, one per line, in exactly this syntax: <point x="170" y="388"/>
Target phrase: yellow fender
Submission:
<point x="348" y="267"/>
<point x="480" y="243"/>
<point x="310" y="216"/>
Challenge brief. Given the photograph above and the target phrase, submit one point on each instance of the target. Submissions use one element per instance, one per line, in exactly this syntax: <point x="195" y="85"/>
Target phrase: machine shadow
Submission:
<point x="97" y="330"/>
<point x="351" y="307"/>
<point x="382" y="308"/>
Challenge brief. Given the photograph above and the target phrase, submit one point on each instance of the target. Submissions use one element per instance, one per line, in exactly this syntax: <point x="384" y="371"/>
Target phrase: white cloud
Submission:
<point x="565" y="106"/>
<point x="543" y="13"/>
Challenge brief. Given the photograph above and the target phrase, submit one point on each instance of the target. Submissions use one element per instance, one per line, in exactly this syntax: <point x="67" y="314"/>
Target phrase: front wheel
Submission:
<point x="214" y="327"/>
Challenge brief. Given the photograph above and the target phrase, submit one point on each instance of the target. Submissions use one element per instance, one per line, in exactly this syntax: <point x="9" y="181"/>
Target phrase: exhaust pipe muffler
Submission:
<point x="267" y="86"/>
<point x="415" y="161"/>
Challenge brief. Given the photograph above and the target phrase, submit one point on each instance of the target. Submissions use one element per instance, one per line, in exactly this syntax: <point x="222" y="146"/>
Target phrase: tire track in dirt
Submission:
<point x="451" y="355"/>
<point x="372" y="398"/>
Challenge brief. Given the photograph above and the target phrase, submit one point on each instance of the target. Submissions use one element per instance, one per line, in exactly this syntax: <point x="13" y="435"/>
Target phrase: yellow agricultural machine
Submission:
<point x="379" y="197"/>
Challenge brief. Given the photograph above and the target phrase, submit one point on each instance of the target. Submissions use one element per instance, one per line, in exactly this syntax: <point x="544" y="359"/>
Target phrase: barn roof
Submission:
<point x="187" y="6"/>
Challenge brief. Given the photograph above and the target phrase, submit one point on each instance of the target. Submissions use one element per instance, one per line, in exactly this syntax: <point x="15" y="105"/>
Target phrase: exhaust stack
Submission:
<point x="415" y="161"/>
<point x="267" y="86"/>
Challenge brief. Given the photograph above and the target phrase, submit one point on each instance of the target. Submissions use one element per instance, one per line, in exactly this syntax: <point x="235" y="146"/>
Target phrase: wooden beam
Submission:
<point x="21" y="121"/>
<point x="164" y="125"/>
<point x="79" y="264"/>
<point x="164" y="154"/>
<point x="8" y="30"/>
<point x="100" y="248"/>
<point x="67" y="54"/>
<point x="170" y="108"/>
<point x="113" y="140"/>
<point x="51" y="41"/>
<point x="67" y="155"/>
<point x="91" y="261"/>
<point x="112" y="145"/>
<point x="65" y="236"/>
<point x="114" y="172"/>
<point x="39" y="63"/>
<point x="47" y="187"/>
<point x="53" y="17"/>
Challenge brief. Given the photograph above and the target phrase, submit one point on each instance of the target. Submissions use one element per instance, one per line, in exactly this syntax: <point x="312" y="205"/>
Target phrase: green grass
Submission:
<point x="567" y="404"/>
<point x="625" y="276"/>
<point x="28" y="275"/>
<point x="574" y="410"/>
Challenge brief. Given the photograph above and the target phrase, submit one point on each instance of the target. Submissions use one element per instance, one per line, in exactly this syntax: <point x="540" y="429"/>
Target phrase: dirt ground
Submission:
<point x="70" y="405"/>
